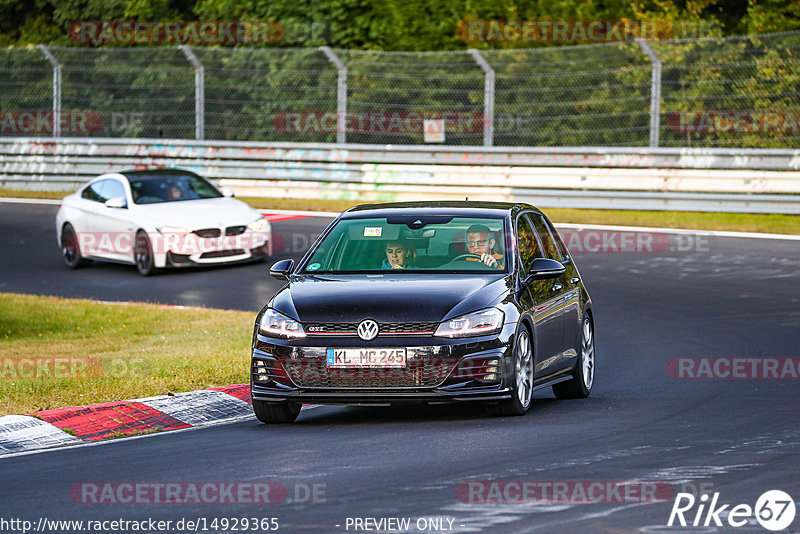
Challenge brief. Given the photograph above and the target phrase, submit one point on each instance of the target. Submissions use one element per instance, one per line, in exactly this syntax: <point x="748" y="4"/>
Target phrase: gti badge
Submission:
<point x="367" y="329"/>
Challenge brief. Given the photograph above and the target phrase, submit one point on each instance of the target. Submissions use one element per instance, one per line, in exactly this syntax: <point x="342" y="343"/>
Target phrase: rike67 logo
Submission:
<point x="774" y="510"/>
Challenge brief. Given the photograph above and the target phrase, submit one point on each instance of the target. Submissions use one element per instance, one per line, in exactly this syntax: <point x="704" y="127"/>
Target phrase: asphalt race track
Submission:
<point x="30" y="262"/>
<point x="719" y="297"/>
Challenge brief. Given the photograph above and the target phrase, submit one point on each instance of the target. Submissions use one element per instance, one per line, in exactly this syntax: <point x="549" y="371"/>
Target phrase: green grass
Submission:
<point x="737" y="222"/>
<point x="24" y="193"/>
<point x="299" y="204"/>
<point x="771" y="223"/>
<point x="111" y="352"/>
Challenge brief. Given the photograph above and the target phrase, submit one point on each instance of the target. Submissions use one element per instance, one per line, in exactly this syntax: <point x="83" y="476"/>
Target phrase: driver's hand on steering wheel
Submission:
<point x="489" y="260"/>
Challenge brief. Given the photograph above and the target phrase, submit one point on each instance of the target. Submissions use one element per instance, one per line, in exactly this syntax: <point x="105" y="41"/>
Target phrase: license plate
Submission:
<point x="379" y="357"/>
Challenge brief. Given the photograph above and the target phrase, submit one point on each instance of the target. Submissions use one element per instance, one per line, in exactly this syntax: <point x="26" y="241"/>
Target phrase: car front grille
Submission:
<point x="208" y="232"/>
<point x="235" y="230"/>
<point x="386" y="329"/>
<point x="221" y="253"/>
<point x="419" y="372"/>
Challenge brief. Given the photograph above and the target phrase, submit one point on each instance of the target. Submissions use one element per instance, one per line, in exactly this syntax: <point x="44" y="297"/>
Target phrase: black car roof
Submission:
<point x="449" y="207"/>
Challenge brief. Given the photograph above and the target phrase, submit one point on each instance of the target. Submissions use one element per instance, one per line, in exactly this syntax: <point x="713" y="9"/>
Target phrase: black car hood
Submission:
<point x="387" y="297"/>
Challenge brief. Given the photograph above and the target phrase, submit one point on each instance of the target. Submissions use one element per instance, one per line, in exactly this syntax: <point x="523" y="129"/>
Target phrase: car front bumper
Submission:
<point x="174" y="249"/>
<point x="216" y="257"/>
<point x="380" y="397"/>
<point x="452" y="370"/>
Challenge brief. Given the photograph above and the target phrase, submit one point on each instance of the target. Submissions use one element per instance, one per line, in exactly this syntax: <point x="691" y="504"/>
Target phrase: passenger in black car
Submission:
<point x="399" y="255"/>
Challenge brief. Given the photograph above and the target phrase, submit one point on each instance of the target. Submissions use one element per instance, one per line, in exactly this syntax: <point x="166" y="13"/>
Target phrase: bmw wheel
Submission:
<point x="583" y="376"/>
<point x="522" y="387"/>
<point x="143" y="255"/>
<point x="70" y="248"/>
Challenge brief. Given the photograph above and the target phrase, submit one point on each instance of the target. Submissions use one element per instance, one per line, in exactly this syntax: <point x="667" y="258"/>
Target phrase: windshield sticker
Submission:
<point x="313" y="267"/>
<point x="373" y="231"/>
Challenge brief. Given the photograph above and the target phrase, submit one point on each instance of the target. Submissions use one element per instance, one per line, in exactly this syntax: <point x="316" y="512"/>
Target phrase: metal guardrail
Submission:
<point x="745" y="180"/>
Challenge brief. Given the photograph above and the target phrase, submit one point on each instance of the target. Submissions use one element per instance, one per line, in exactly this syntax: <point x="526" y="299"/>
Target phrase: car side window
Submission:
<point x="562" y="248"/>
<point x="95" y="192"/>
<point x="549" y="245"/>
<point x="112" y="189"/>
<point x="529" y="248"/>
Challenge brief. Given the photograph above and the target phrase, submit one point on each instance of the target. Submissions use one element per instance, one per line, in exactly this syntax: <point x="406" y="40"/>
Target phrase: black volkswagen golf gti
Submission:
<point x="425" y="302"/>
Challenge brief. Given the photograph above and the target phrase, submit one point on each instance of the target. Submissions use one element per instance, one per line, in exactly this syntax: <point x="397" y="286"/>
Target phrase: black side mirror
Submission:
<point x="542" y="268"/>
<point x="282" y="269"/>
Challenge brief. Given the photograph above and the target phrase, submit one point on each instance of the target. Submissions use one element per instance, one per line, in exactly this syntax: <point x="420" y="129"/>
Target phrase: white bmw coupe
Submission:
<point x="159" y="218"/>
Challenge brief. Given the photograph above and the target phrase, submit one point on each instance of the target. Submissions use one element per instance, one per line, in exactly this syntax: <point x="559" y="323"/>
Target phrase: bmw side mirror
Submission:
<point x="282" y="269"/>
<point x="116" y="202"/>
<point x="542" y="268"/>
<point x="226" y="192"/>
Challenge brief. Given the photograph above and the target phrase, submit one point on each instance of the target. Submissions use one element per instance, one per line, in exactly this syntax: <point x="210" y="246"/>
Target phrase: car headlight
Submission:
<point x="276" y="324"/>
<point x="477" y="323"/>
<point x="258" y="225"/>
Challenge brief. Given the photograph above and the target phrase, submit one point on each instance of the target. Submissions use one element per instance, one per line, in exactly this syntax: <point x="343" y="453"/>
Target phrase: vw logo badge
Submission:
<point x="367" y="329"/>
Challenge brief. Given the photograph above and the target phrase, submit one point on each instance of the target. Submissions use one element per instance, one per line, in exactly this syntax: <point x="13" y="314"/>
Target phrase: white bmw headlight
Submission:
<point x="477" y="323"/>
<point x="276" y="324"/>
<point x="258" y="225"/>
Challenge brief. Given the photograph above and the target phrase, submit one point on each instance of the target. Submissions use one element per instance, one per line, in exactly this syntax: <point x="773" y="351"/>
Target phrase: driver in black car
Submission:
<point x="480" y="241"/>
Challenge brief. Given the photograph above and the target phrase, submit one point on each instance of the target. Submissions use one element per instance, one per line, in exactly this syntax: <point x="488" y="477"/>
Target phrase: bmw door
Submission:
<point x="113" y="227"/>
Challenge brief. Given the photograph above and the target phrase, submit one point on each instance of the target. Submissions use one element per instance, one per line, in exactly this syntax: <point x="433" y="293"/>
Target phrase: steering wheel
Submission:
<point x="473" y="264"/>
<point x="464" y="257"/>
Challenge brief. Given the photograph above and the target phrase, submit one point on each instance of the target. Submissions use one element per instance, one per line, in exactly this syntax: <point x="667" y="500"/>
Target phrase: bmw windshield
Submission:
<point x="411" y="243"/>
<point x="157" y="188"/>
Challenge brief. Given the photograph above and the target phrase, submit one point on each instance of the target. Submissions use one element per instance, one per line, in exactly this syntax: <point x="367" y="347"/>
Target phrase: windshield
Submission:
<point x="411" y="243"/>
<point x="155" y="188"/>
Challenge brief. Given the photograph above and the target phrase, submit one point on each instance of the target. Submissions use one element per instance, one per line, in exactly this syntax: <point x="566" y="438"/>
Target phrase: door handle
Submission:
<point x="557" y="287"/>
<point x="574" y="280"/>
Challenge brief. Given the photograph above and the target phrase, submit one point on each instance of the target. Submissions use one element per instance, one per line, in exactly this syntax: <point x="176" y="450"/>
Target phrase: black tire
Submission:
<point x="583" y="375"/>
<point x="143" y="255"/>
<point x="522" y="388"/>
<point x="270" y="412"/>
<point x="70" y="248"/>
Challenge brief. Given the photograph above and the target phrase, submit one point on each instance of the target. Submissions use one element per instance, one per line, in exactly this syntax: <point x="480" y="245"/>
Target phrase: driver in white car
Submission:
<point x="480" y="241"/>
<point x="174" y="193"/>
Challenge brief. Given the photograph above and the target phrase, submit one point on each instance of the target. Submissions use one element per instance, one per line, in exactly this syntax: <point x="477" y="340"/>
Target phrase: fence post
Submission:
<point x="341" y="93"/>
<point x="56" y="89"/>
<point x="488" y="97"/>
<point x="199" y="92"/>
<point x="655" y="93"/>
